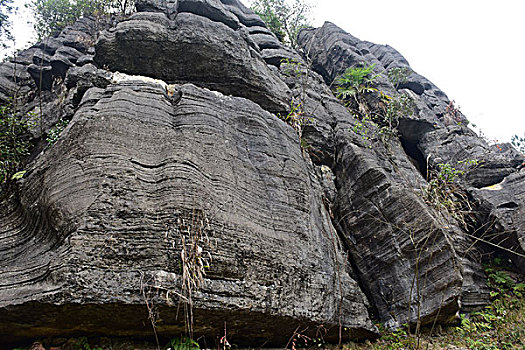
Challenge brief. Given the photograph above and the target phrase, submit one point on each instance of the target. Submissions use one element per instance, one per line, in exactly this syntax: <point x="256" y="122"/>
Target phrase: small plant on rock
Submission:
<point x="14" y="145"/>
<point x="442" y="192"/>
<point x="377" y="113"/>
<point x="194" y="259"/>
<point x="292" y="67"/>
<point x="399" y="75"/>
<point x="297" y="119"/>
<point x="393" y="109"/>
<point x="354" y="82"/>
<point x="55" y="132"/>
<point x="454" y="115"/>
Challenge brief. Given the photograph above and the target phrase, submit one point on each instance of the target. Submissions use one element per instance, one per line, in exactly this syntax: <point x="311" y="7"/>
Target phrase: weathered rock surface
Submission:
<point x="504" y="209"/>
<point x="386" y="226"/>
<point x="129" y="197"/>
<point x="327" y="232"/>
<point x="428" y="135"/>
<point x="212" y="52"/>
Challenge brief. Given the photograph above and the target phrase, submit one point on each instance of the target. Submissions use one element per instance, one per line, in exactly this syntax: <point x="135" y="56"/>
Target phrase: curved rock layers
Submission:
<point x="430" y="135"/>
<point x="134" y="165"/>
<point x="401" y="249"/>
<point x="215" y="52"/>
<point x="325" y="232"/>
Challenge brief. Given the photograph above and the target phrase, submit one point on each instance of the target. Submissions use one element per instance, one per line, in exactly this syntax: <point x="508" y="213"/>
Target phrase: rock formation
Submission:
<point x="175" y="143"/>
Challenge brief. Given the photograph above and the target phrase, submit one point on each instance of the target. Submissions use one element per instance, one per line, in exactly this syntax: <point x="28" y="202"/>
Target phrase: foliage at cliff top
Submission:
<point x="519" y="143"/>
<point x="53" y="15"/>
<point x="284" y="17"/>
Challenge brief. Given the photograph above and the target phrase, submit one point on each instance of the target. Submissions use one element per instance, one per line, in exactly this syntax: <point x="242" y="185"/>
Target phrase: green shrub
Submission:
<point x="55" y="132"/>
<point x="393" y="109"/>
<point x="14" y="146"/>
<point x="399" y="75"/>
<point x="51" y="16"/>
<point x="355" y="81"/>
<point x="443" y="193"/>
<point x="284" y="17"/>
<point x="82" y="343"/>
<point x="377" y="113"/>
<point x="183" y="343"/>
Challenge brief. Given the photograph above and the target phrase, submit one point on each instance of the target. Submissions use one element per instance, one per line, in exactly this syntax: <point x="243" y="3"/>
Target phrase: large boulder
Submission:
<point x="193" y="48"/>
<point x="103" y="212"/>
<point x="177" y="197"/>
<point x="392" y="232"/>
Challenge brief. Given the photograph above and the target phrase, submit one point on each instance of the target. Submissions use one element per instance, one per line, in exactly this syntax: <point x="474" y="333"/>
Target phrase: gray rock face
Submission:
<point x="212" y="52"/>
<point x="401" y="250"/>
<point x="325" y="232"/>
<point x="274" y="250"/>
<point x="503" y="206"/>
<point x="427" y="136"/>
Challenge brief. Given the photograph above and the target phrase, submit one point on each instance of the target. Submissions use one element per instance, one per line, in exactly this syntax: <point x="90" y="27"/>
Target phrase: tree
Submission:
<point x="6" y="8"/>
<point x="52" y="16"/>
<point x="284" y="17"/>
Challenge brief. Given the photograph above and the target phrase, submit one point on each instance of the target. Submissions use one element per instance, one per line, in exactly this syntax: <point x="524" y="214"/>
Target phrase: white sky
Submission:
<point x="22" y="30"/>
<point x="473" y="50"/>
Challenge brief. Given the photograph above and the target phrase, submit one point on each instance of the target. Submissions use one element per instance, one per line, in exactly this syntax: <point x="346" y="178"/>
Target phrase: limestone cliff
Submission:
<point x="174" y="138"/>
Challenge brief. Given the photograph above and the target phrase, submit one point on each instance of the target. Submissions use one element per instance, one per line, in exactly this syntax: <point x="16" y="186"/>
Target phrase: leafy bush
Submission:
<point x="183" y="343"/>
<point x="443" y="193"/>
<point x="355" y="81"/>
<point x="399" y="75"/>
<point x="284" y="17"/>
<point x="394" y="108"/>
<point x="82" y="343"/>
<point x="55" y="132"/>
<point x="500" y="324"/>
<point x="53" y="15"/>
<point x="373" y="108"/>
<point x="292" y="67"/>
<point x="13" y="145"/>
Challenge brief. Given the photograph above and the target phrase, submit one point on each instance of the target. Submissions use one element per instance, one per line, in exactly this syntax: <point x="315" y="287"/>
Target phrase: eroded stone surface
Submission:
<point x="192" y="48"/>
<point x="139" y="168"/>
<point x="382" y="191"/>
<point x="335" y="233"/>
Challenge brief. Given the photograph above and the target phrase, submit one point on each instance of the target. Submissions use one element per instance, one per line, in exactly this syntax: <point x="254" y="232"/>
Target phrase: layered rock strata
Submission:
<point x="175" y="140"/>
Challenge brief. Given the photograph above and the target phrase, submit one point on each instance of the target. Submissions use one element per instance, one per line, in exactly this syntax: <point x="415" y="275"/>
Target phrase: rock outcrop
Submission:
<point x="175" y="142"/>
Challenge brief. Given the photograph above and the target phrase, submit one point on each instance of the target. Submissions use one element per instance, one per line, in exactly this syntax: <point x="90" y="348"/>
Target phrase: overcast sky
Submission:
<point x="473" y="50"/>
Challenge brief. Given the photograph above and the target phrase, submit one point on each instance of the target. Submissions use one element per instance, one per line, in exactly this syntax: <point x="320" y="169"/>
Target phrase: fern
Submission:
<point x="183" y="343"/>
<point x="355" y="80"/>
